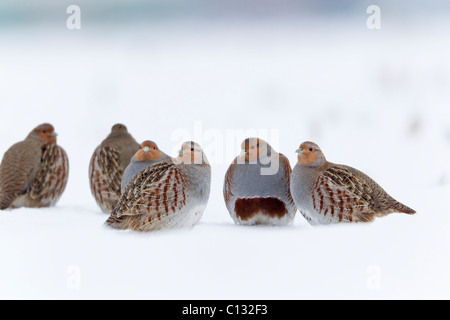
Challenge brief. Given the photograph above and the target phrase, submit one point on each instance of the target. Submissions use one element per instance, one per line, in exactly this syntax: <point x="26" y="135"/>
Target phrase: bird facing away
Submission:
<point x="169" y="194"/>
<point x="147" y="155"/>
<point x="255" y="194"/>
<point x="108" y="164"/>
<point x="34" y="172"/>
<point x="327" y="193"/>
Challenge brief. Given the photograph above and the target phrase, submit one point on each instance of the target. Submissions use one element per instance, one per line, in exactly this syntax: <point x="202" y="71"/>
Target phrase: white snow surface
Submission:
<point x="377" y="100"/>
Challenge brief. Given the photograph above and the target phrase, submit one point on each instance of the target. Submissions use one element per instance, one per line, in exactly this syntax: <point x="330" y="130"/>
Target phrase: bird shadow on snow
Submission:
<point x="200" y="228"/>
<point x="258" y="227"/>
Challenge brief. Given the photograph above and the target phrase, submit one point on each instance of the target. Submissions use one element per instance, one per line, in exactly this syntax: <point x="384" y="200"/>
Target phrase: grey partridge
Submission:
<point x="169" y="194"/>
<point x="108" y="164"/>
<point x="327" y="193"/>
<point x="256" y="187"/>
<point x="34" y="172"/>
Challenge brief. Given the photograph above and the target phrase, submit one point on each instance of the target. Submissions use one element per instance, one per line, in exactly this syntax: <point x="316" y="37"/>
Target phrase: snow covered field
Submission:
<point x="375" y="100"/>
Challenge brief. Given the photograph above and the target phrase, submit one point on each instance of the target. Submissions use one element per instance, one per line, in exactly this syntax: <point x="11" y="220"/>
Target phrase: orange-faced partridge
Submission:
<point x="327" y="193"/>
<point x="107" y="166"/>
<point x="256" y="187"/>
<point x="172" y="193"/>
<point x="147" y="155"/>
<point x="34" y="172"/>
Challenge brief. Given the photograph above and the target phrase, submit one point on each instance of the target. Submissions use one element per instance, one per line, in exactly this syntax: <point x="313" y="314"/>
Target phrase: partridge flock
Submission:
<point x="144" y="189"/>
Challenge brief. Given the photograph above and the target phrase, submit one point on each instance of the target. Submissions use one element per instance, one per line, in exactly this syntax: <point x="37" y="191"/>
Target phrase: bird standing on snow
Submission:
<point x="107" y="166"/>
<point x="147" y="155"/>
<point x="253" y="196"/>
<point x="34" y="172"/>
<point x="330" y="193"/>
<point x="172" y="193"/>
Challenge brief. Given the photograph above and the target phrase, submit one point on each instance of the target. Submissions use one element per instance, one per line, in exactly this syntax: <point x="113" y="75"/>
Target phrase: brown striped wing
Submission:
<point x="105" y="176"/>
<point x="342" y="195"/>
<point x="51" y="178"/>
<point x="158" y="190"/>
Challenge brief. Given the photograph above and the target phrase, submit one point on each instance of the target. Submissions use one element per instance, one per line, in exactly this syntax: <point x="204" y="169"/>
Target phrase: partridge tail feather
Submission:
<point x="403" y="209"/>
<point x="117" y="223"/>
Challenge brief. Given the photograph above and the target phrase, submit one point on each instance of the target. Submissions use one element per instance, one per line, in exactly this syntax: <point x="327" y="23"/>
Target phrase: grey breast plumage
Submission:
<point x="253" y="196"/>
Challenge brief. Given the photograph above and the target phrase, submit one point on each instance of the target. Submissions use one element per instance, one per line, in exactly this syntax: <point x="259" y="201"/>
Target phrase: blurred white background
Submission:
<point x="378" y="100"/>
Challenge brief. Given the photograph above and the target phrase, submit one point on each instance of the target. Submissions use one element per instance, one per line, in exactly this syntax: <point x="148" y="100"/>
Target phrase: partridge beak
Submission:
<point x="146" y="149"/>
<point x="180" y="152"/>
<point x="243" y="153"/>
<point x="299" y="151"/>
<point x="54" y="134"/>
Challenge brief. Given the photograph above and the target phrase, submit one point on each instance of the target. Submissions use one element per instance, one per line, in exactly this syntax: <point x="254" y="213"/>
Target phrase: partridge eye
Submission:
<point x="154" y="148"/>
<point x="44" y="131"/>
<point x="192" y="149"/>
<point x="311" y="149"/>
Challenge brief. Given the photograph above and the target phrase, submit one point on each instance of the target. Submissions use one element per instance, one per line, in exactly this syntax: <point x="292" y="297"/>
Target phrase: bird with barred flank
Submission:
<point x="327" y="193"/>
<point x="107" y="165"/>
<point x="168" y="194"/>
<point x="34" y="172"/>
<point x="147" y="155"/>
<point x="256" y="187"/>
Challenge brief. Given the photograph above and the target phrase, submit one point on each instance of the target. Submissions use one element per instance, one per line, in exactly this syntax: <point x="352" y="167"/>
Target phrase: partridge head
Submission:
<point x="191" y="153"/>
<point x="148" y="154"/>
<point x="309" y="154"/>
<point x="253" y="149"/>
<point x="45" y="133"/>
